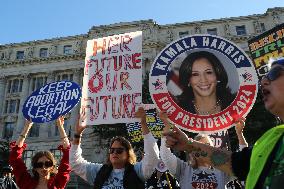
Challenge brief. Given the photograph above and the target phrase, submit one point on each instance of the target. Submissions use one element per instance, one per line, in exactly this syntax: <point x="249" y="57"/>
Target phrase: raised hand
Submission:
<point x="78" y="127"/>
<point x="164" y="118"/>
<point x="177" y="139"/>
<point x="141" y="113"/>
<point x="60" y="121"/>
<point x="24" y="133"/>
<point x="240" y="124"/>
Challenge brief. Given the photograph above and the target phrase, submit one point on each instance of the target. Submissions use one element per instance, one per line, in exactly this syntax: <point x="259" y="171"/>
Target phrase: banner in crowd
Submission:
<point x="221" y="139"/>
<point x="235" y="83"/>
<point x="153" y="122"/>
<point x="265" y="46"/>
<point x="51" y="101"/>
<point x="112" y="83"/>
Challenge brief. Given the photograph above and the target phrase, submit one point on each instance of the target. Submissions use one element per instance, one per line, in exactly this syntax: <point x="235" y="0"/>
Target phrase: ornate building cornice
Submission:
<point x="43" y="42"/>
<point x="53" y="59"/>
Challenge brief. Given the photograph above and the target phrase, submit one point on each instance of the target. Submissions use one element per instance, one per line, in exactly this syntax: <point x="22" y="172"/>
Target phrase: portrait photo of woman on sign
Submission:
<point x="204" y="83"/>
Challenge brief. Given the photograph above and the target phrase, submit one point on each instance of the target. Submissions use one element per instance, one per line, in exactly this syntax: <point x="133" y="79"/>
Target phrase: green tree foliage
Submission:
<point x="4" y="153"/>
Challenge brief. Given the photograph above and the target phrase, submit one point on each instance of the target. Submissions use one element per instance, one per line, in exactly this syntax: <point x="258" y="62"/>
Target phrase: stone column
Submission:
<point x="23" y="97"/>
<point x="2" y="97"/>
<point x="227" y="29"/>
<point x="77" y="76"/>
<point x="2" y="93"/>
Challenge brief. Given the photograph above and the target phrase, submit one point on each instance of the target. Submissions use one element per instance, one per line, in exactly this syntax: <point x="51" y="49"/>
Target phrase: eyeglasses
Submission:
<point x="46" y="164"/>
<point x="273" y="74"/>
<point x="116" y="150"/>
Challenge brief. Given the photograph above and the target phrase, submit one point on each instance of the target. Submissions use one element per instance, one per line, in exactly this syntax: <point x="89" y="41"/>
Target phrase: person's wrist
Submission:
<point x="62" y="138"/>
<point x="23" y="136"/>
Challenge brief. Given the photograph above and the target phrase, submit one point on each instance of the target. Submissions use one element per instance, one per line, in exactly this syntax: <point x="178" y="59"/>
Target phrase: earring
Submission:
<point x="188" y="84"/>
<point x="218" y="81"/>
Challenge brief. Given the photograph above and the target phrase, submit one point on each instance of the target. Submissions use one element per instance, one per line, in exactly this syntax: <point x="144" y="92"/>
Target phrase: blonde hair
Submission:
<point x="203" y="136"/>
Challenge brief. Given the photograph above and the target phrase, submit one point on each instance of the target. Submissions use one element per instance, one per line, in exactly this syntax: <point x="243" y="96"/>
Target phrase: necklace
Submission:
<point x="213" y="110"/>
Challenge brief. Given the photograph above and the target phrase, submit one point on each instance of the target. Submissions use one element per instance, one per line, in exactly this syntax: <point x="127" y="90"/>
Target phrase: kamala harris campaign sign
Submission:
<point x="51" y="101"/>
<point x="230" y="82"/>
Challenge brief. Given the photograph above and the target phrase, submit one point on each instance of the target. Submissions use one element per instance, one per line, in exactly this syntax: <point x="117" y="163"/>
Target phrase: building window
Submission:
<point x="212" y="31"/>
<point x="67" y="49"/>
<point x="8" y="130"/>
<point x="262" y="26"/>
<point x="20" y="86"/>
<point x="12" y="106"/>
<point x="27" y="157"/>
<point x="34" y="132"/>
<point x="2" y="55"/>
<point x="38" y="82"/>
<point x="64" y="76"/>
<point x="15" y="86"/>
<point x="183" y="34"/>
<point x="20" y="55"/>
<point x="241" y="30"/>
<point x="43" y="52"/>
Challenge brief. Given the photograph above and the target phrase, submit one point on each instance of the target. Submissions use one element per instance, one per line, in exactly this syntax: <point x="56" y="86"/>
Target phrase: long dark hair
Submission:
<point x="127" y="145"/>
<point x="224" y="94"/>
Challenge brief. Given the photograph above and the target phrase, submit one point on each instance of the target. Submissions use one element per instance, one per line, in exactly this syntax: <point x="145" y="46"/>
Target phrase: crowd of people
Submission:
<point x="260" y="166"/>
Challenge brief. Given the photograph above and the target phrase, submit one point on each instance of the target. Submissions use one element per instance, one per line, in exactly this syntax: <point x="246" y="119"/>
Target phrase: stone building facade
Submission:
<point x="26" y="66"/>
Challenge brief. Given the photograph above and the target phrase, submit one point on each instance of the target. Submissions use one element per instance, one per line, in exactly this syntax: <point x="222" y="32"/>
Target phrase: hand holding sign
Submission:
<point x="141" y="113"/>
<point x="79" y="128"/>
<point x="240" y="124"/>
<point x="60" y="121"/>
<point x="176" y="139"/>
<point x="164" y="118"/>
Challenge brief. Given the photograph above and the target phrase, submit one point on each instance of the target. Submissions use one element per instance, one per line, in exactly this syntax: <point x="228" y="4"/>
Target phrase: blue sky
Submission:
<point x="28" y="20"/>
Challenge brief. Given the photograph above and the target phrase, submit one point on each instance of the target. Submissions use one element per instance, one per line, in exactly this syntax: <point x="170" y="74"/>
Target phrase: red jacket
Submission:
<point x="25" y="181"/>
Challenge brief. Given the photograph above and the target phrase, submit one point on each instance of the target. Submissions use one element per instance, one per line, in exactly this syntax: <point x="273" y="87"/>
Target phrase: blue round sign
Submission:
<point x="51" y="101"/>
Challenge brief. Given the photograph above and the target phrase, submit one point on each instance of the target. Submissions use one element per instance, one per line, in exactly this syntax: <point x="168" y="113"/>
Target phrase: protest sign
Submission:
<point x="221" y="139"/>
<point x="153" y="122"/>
<point x="265" y="46"/>
<point x="236" y="79"/>
<point x="112" y="84"/>
<point x="51" y="101"/>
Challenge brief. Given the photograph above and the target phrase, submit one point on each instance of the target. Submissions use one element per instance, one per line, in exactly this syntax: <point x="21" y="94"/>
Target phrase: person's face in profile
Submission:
<point x="203" y="79"/>
<point x="273" y="89"/>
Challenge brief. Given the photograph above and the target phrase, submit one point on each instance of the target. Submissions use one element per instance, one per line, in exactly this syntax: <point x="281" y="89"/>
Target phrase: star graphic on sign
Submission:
<point x="247" y="76"/>
<point x="158" y="84"/>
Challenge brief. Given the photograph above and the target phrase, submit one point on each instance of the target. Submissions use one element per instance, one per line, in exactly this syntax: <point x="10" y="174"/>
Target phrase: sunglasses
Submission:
<point x="116" y="150"/>
<point x="274" y="73"/>
<point x="46" y="164"/>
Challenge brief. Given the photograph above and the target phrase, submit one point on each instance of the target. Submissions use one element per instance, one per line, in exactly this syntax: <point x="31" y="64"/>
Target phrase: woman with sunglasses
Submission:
<point x="121" y="170"/>
<point x="262" y="165"/>
<point x="45" y="175"/>
<point x="195" y="173"/>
